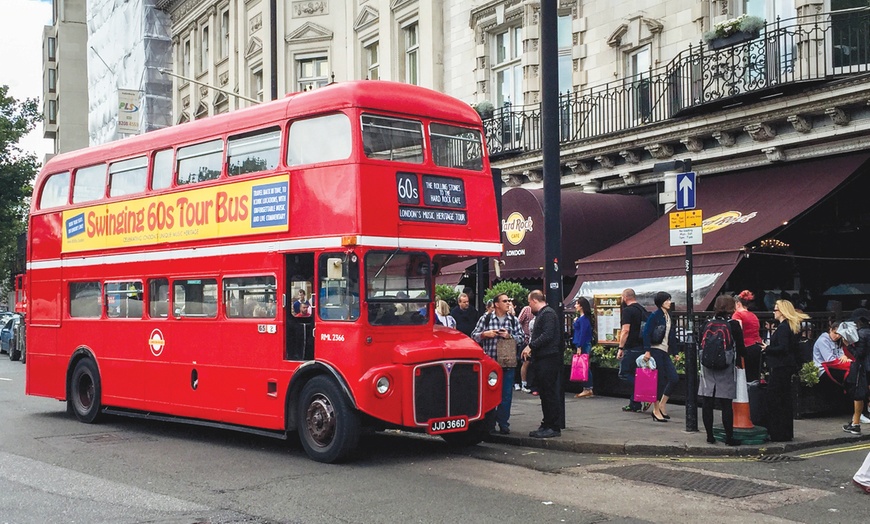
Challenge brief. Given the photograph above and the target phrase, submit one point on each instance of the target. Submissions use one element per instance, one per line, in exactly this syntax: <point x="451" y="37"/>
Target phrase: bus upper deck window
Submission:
<point x="89" y="184"/>
<point x="128" y="177"/>
<point x="55" y="191"/>
<point x="254" y="152"/>
<point x="395" y="139"/>
<point x="161" y="177"/>
<point x="320" y="139"/>
<point x="454" y="146"/>
<point x="200" y="162"/>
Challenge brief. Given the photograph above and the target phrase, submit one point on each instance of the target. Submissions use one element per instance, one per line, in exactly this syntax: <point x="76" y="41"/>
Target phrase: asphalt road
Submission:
<point x="54" y="469"/>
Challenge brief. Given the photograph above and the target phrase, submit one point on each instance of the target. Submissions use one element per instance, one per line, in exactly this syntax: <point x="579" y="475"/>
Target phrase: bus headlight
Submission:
<point x="383" y="385"/>
<point x="493" y="378"/>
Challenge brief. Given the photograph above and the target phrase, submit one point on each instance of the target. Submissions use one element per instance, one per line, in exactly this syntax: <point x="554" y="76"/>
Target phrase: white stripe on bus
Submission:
<point x="75" y="260"/>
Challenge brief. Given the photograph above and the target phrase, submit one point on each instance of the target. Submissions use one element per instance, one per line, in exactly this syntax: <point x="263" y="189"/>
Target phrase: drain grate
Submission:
<point x="691" y="481"/>
<point x="779" y="458"/>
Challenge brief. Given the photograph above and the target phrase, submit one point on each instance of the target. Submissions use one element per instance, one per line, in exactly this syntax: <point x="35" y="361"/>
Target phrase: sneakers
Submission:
<point x="854" y="429"/>
<point x="524" y="389"/>
<point x="545" y="433"/>
<point x="516" y="387"/>
<point x="864" y="419"/>
<point x="630" y="409"/>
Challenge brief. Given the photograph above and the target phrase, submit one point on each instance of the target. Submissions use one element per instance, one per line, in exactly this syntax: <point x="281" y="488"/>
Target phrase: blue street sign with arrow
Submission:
<point x="686" y="186"/>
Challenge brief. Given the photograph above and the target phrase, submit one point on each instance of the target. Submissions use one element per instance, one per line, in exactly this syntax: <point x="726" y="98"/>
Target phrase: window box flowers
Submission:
<point x="734" y="31"/>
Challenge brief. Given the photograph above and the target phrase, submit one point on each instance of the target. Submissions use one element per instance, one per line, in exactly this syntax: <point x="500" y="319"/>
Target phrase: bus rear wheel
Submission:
<point x="84" y="391"/>
<point x="329" y="427"/>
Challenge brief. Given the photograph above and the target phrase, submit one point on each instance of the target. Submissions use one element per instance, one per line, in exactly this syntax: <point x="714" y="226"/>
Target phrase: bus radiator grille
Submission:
<point x="446" y="389"/>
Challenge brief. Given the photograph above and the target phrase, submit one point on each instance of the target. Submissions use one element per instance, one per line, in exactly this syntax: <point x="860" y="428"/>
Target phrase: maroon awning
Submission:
<point x="738" y="209"/>
<point x="590" y="223"/>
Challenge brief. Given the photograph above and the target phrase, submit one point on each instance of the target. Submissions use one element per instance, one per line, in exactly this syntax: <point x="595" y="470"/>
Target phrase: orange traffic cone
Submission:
<point x="741" y="402"/>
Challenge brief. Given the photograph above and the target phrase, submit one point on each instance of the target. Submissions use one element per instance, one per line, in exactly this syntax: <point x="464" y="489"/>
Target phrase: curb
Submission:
<point x="689" y="449"/>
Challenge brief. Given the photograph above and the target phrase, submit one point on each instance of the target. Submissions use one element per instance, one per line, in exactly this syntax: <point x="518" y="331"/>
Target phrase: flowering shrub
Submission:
<point x="679" y="362"/>
<point x="743" y="23"/>
<point x="604" y="356"/>
<point x="809" y="374"/>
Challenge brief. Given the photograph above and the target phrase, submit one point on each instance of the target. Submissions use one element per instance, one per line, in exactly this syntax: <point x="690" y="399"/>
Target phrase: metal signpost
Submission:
<point x="686" y="230"/>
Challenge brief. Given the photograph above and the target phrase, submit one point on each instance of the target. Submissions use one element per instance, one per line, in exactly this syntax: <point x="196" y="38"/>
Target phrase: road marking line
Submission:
<point x="680" y="459"/>
<point x="844" y="449"/>
<point x="6" y="379"/>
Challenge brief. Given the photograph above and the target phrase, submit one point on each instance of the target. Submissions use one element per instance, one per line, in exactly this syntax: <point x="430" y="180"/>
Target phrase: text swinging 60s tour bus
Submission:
<point x="268" y="270"/>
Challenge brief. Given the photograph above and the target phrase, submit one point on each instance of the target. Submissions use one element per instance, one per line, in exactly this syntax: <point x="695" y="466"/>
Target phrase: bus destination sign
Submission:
<point x="437" y="193"/>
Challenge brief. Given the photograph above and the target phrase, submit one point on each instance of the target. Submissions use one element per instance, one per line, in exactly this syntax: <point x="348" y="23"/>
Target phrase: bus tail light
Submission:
<point x="493" y="378"/>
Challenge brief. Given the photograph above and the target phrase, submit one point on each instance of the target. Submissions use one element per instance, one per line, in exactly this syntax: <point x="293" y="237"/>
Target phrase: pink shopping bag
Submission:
<point x="645" y="385"/>
<point x="580" y="368"/>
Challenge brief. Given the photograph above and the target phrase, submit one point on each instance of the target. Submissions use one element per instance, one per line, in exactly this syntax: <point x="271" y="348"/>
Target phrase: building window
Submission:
<point x="52" y="80"/>
<point x="371" y="61"/>
<point x="52" y="49"/>
<point x="203" y="54"/>
<point x="412" y="53"/>
<point x="312" y="73"/>
<point x="565" y="44"/>
<point x="506" y="67"/>
<point x="52" y="111"/>
<point x="225" y="34"/>
<point x="638" y="76"/>
<point x="185" y="61"/>
<point x="257" y="83"/>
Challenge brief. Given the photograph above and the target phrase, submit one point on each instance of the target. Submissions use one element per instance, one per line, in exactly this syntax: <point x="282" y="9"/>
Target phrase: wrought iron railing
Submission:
<point x="785" y="53"/>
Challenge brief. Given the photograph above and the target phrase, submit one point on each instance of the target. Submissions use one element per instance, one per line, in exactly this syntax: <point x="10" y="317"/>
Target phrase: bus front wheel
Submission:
<point x="328" y="426"/>
<point x="84" y="391"/>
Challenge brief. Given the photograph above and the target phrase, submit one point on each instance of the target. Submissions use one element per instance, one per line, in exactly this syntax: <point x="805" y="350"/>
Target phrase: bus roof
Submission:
<point x="379" y="95"/>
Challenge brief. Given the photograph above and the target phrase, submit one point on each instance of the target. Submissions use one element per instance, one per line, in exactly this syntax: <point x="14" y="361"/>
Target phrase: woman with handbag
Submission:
<point x="722" y="383"/>
<point x="781" y="357"/>
<point x="658" y="336"/>
<point x="583" y="339"/>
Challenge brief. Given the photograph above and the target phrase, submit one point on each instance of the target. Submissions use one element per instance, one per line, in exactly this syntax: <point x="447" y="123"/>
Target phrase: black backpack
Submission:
<point x="717" y="345"/>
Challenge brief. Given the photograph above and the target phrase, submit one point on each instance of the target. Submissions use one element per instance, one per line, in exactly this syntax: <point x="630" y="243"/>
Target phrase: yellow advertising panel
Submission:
<point x="242" y="208"/>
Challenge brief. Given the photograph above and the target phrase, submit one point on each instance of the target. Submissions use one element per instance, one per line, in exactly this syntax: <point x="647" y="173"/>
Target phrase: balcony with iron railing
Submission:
<point x="786" y="56"/>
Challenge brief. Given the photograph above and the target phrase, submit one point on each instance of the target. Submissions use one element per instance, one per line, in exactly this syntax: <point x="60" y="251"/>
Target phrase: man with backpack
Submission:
<point x="630" y="341"/>
<point x="490" y="329"/>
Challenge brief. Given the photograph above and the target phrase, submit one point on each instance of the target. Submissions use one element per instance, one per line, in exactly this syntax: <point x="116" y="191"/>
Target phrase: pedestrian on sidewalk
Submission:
<point x="465" y="315"/>
<point x="722" y="383"/>
<point x="751" y="328"/>
<point x="583" y="336"/>
<point x="659" y="335"/>
<point x="859" y="370"/>
<point x="526" y="317"/>
<point x="781" y="357"/>
<point x="545" y="352"/>
<point x="630" y="342"/>
<point x="500" y="324"/>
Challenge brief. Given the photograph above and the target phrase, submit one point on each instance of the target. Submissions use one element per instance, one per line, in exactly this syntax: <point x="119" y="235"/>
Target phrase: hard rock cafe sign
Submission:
<point x="515" y="227"/>
<point x="725" y="219"/>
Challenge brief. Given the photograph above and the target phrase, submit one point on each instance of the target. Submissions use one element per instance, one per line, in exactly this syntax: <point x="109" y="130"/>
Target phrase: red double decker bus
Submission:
<point x="269" y="270"/>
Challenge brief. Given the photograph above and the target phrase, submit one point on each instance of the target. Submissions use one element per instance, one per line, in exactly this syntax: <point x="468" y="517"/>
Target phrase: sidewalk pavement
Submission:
<point x="598" y="425"/>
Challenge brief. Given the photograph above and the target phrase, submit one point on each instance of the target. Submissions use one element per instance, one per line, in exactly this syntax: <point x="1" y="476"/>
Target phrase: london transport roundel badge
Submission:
<point x="156" y="342"/>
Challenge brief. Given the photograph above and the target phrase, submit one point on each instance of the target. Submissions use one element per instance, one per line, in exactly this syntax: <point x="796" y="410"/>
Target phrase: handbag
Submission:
<point x="646" y="380"/>
<point x="506" y="352"/>
<point x="646" y="385"/>
<point x="580" y="367"/>
<point x="658" y="334"/>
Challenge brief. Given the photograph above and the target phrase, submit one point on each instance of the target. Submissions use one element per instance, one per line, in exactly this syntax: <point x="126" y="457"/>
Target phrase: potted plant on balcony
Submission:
<point x="734" y="31"/>
<point x="485" y="109"/>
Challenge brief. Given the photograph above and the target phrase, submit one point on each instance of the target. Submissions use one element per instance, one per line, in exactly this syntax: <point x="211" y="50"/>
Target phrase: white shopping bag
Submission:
<point x="862" y="477"/>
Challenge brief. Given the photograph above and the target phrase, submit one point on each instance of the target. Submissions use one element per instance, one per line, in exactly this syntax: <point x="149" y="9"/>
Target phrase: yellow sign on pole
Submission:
<point x="684" y="219"/>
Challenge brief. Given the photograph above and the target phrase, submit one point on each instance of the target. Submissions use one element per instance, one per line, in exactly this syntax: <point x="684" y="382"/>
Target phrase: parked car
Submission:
<point x="7" y="338"/>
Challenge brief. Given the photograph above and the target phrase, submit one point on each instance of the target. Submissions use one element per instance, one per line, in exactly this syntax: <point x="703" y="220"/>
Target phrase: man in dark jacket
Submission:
<point x="465" y="315"/>
<point x="545" y="352"/>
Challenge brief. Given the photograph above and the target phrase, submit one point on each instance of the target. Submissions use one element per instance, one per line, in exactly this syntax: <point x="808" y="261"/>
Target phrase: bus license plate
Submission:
<point x="447" y="425"/>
